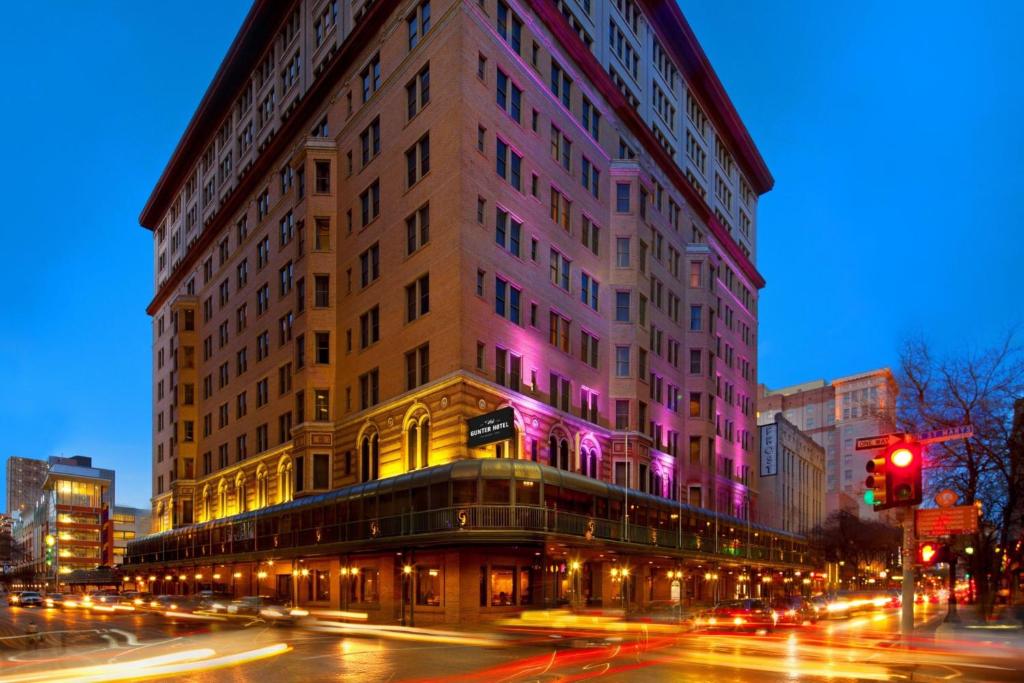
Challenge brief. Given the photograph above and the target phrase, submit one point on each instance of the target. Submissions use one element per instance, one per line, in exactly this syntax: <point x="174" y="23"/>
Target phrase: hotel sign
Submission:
<point x="490" y="427"/>
<point x="769" y="450"/>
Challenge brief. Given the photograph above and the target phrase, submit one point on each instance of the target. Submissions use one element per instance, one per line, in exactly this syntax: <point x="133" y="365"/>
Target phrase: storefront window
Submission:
<point x="429" y="586"/>
<point x="369" y="582"/>
<point x="322" y="581"/>
<point x="503" y="592"/>
<point x="525" y="586"/>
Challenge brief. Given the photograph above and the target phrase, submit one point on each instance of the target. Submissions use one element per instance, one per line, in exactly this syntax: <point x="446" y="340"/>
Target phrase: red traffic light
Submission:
<point x="901" y="456"/>
<point x="930" y="553"/>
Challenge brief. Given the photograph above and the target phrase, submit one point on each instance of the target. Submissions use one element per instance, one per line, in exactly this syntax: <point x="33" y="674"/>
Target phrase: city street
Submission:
<point x="864" y="647"/>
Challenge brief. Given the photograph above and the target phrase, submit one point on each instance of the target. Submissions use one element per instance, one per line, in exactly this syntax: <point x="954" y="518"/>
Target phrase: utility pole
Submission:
<point x="907" y="616"/>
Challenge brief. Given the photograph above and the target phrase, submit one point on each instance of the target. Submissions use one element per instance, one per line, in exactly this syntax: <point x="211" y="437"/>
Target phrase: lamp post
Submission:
<point x="406" y="577"/>
<point x="574" y="567"/>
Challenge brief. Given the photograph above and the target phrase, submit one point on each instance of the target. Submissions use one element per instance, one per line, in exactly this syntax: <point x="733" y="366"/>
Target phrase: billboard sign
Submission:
<point x="498" y="425"/>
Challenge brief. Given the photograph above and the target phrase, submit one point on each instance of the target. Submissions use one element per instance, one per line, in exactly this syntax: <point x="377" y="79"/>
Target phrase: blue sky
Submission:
<point x="892" y="132"/>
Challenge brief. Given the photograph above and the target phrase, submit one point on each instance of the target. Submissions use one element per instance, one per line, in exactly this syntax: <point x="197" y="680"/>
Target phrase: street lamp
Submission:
<point x="406" y="579"/>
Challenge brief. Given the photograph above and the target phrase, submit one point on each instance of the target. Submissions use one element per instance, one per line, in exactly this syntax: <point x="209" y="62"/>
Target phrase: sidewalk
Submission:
<point x="1001" y="628"/>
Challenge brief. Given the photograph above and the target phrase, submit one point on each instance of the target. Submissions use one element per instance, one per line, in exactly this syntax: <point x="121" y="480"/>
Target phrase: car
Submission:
<point x="169" y="603"/>
<point x="212" y="601"/>
<point x="794" y="611"/>
<point x="136" y="599"/>
<point x="29" y="599"/>
<point x="266" y="607"/>
<point x="740" y="615"/>
<point x="54" y="600"/>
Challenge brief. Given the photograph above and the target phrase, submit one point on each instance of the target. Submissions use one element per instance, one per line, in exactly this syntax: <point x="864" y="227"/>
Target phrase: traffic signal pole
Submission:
<point x="907" y="614"/>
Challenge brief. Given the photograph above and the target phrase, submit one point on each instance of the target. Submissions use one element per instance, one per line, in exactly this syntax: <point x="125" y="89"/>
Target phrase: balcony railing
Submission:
<point x="271" y="535"/>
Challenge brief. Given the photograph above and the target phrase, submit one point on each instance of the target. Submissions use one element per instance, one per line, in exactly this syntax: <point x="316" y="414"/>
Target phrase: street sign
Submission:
<point x="870" y="443"/>
<point x="945" y="434"/>
<point x="498" y="425"/>
<point x="946" y="498"/>
<point x="961" y="519"/>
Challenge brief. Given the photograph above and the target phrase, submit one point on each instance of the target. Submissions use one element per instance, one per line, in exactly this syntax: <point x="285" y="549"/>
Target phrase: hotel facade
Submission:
<point x="388" y="218"/>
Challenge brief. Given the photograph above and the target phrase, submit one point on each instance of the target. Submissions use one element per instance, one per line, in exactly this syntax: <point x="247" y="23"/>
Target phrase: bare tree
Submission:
<point x="844" y="537"/>
<point x="978" y="388"/>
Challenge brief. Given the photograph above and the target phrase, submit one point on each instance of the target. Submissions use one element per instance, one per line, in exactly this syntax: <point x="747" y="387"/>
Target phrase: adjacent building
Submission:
<point x="25" y="478"/>
<point x="835" y="414"/>
<point x="388" y="218"/>
<point x="791" y="478"/>
<point x="69" y="527"/>
<point x="128" y="524"/>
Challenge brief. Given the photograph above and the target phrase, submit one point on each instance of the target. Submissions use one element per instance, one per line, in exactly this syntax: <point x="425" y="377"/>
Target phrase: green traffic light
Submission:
<point x="869" y="497"/>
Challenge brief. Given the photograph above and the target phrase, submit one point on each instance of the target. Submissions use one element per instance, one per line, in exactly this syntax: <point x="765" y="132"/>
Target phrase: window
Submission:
<point x="590" y="235"/>
<point x="510" y="28"/>
<point x="561" y="148"/>
<point x="561" y="209"/>
<point x="510" y="96"/>
<point x="369" y="141"/>
<point x="622" y="306"/>
<point x="561" y="84"/>
<point x="622" y="361"/>
<point x="622" y="252"/>
<point x="322" y="237"/>
<point x="369" y="327"/>
<point x="509" y="164"/>
<point x="590" y="117"/>
<point x="418" y="23"/>
<point x="588" y="348"/>
<point x="508" y="368"/>
<point x="369" y="265"/>
<point x="262" y="252"/>
<point x="429" y="586"/>
<point x="285" y="278"/>
<point x="417" y="160"/>
<point x="369" y="389"/>
<point x="507" y="231"/>
<point x="695" y="362"/>
<point x="322" y="177"/>
<point x="506" y="300"/>
<point x="622" y="197"/>
<point x="560" y="270"/>
<point x="371" y="77"/>
<point x="590" y="176"/>
<point x="321" y="291"/>
<point x="262" y="299"/>
<point x="417" y="298"/>
<point x="417" y="367"/>
<point x="588" y="290"/>
<point x="322" y="341"/>
<point x="417" y="92"/>
<point x="369" y="202"/>
<point x="622" y="415"/>
<point x="558" y="331"/>
<point x="321" y="405"/>
<point x="417" y="228"/>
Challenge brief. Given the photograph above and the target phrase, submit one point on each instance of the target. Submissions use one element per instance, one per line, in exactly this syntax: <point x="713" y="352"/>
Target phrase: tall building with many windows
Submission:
<point x="25" y="477"/>
<point x="387" y="218"/>
<point x="835" y="414"/>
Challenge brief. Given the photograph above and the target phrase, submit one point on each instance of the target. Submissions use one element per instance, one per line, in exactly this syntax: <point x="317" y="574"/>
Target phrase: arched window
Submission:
<point x="593" y="463"/>
<point x="563" y="455"/>
<point x="241" y="492"/>
<point x="262" y="487"/>
<point x="285" y="485"/>
<point x="207" y="512"/>
<point x="412" y="444"/>
<point x="160" y="521"/>
<point x="425" y="442"/>
<point x="369" y="451"/>
<point x="222" y="499"/>
<point x="584" y="452"/>
<point x="553" y="451"/>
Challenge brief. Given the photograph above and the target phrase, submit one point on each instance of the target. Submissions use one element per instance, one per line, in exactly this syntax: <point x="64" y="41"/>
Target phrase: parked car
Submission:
<point x="794" y="611"/>
<point x="29" y="599"/>
<point x="740" y="615"/>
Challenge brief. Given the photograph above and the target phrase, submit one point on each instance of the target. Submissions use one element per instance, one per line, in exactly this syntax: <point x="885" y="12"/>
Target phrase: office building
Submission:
<point x="386" y="219"/>
<point x="835" y="414"/>
<point x="791" y="478"/>
<point x="25" y="478"/>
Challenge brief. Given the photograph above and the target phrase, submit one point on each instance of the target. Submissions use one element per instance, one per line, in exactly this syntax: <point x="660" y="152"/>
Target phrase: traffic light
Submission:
<point x="50" y="543"/>
<point x="931" y="553"/>
<point x="875" y="483"/>
<point x="903" y="475"/>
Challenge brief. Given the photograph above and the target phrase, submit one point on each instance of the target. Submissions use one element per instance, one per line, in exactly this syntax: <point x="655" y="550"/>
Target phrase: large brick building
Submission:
<point x="386" y="218"/>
